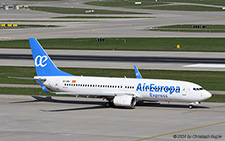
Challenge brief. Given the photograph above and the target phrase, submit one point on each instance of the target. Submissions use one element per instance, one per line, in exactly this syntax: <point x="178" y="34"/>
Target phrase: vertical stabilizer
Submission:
<point x="43" y="64"/>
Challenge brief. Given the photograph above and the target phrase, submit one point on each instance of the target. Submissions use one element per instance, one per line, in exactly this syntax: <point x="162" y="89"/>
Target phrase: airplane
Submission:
<point x="119" y="92"/>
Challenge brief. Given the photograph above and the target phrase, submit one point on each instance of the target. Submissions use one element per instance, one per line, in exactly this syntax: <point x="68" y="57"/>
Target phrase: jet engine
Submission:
<point x="124" y="101"/>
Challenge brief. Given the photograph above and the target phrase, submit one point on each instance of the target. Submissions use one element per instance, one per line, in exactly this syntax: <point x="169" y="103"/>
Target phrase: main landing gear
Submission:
<point x="109" y="103"/>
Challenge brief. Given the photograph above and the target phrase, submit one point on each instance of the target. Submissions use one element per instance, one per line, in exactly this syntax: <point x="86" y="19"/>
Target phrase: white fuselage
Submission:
<point x="142" y="89"/>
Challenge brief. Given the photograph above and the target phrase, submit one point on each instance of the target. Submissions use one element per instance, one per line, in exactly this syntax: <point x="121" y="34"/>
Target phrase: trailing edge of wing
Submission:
<point x="137" y="73"/>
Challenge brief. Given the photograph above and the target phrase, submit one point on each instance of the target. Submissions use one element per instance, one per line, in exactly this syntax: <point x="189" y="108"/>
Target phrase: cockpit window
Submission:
<point x="197" y="89"/>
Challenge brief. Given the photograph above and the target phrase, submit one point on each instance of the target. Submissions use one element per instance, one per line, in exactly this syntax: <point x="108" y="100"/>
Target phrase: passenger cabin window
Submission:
<point x="99" y="86"/>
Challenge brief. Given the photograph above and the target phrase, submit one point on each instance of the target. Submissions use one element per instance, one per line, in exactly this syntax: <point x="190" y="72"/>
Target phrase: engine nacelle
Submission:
<point x="124" y="101"/>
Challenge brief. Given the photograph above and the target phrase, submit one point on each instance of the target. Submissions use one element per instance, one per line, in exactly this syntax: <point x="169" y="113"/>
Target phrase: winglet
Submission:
<point x="43" y="87"/>
<point x="137" y="73"/>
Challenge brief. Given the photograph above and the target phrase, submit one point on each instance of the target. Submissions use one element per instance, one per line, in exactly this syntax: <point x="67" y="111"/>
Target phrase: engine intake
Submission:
<point x="125" y="101"/>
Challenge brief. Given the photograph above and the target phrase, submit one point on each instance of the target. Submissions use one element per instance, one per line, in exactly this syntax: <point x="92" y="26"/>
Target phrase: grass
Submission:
<point x="209" y="2"/>
<point x="186" y="8"/>
<point x="5" y="72"/>
<point x="26" y="91"/>
<point x="77" y="10"/>
<point x="151" y="4"/>
<point x="126" y="4"/>
<point x="216" y="98"/>
<point x="23" y="91"/>
<point x="28" y="26"/>
<point x="95" y="17"/>
<point x="41" y="0"/>
<point x="209" y="80"/>
<point x="188" y="28"/>
<point x="134" y="44"/>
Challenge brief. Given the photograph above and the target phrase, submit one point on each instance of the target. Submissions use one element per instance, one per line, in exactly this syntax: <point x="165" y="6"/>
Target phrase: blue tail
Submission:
<point x="43" y="64"/>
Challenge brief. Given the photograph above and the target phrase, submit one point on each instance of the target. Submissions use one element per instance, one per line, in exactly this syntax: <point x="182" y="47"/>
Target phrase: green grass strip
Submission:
<point x="207" y="79"/>
<point x="126" y="4"/>
<point x="77" y="10"/>
<point x="133" y="44"/>
<point x="98" y="17"/>
<point x="41" y="0"/>
<point x="185" y="8"/>
<point x="26" y="91"/>
<point x="209" y="2"/>
<point x="216" y="98"/>
<point x="151" y="3"/>
<point x="22" y="91"/>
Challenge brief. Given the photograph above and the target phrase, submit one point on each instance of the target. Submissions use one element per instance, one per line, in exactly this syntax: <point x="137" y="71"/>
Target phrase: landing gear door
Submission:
<point x="184" y="91"/>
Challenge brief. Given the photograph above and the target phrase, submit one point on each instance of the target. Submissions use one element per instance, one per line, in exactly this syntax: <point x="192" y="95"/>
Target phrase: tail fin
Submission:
<point x="42" y="62"/>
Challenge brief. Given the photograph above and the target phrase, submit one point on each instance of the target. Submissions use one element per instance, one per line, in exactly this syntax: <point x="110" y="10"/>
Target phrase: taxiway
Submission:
<point x="163" y="60"/>
<point x="69" y="118"/>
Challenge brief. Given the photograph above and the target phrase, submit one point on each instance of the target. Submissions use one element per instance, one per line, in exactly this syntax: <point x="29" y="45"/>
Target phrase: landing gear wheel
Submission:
<point x="107" y="104"/>
<point x="132" y="107"/>
<point x="190" y="106"/>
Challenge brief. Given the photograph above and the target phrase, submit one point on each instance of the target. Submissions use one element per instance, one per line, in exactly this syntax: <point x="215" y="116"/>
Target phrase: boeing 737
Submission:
<point x="122" y="92"/>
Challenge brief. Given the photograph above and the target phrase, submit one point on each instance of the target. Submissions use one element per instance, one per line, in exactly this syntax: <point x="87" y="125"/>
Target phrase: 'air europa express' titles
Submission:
<point x="155" y="88"/>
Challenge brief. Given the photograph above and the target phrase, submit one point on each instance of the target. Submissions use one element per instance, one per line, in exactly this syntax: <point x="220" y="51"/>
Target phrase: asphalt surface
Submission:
<point x="203" y="61"/>
<point x="69" y="118"/>
<point x="122" y="27"/>
<point x="120" y="59"/>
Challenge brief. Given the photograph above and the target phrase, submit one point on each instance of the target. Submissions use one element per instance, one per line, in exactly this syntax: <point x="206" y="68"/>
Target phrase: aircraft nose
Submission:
<point x="207" y="95"/>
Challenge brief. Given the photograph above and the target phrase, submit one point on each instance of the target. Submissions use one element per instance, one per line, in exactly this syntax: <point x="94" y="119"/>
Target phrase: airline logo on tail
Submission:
<point x="43" y="64"/>
<point x="40" y="61"/>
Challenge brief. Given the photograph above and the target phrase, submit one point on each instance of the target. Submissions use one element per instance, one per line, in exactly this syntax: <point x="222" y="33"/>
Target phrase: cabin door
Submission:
<point x="184" y="91"/>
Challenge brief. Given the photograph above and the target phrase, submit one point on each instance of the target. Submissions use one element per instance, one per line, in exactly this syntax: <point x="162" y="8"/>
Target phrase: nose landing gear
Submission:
<point x="192" y="104"/>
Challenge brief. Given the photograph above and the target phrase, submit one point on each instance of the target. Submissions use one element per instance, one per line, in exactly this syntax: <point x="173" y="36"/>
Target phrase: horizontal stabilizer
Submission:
<point x="26" y="78"/>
